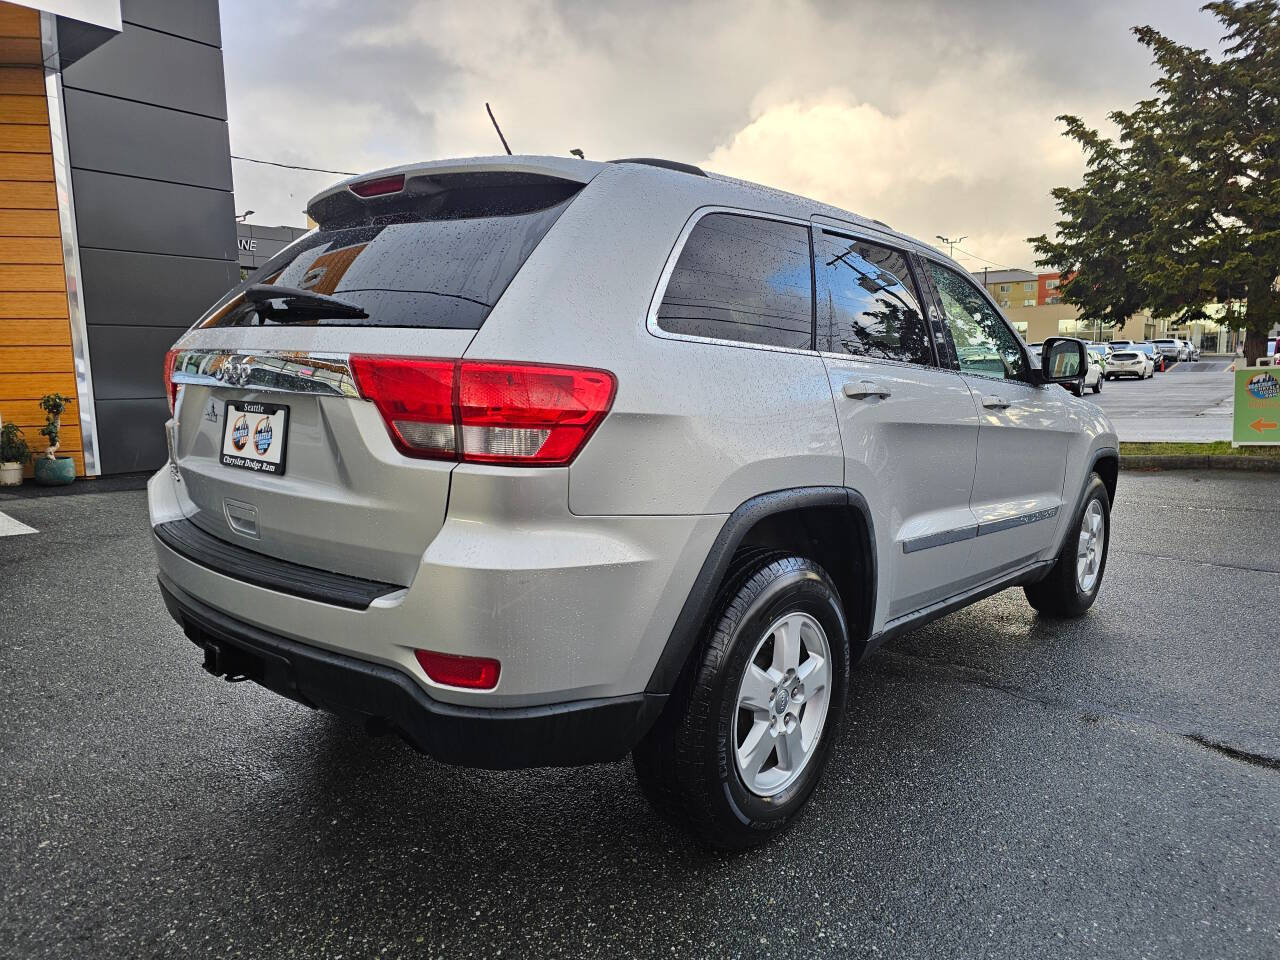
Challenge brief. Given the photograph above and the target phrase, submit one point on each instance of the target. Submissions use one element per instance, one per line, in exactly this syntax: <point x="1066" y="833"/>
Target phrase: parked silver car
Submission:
<point x="1171" y="349"/>
<point x="540" y="461"/>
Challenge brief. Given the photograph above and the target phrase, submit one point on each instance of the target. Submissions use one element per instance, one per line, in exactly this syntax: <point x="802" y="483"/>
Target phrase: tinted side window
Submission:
<point x="984" y="343"/>
<point x="870" y="301"/>
<point x="745" y="279"/>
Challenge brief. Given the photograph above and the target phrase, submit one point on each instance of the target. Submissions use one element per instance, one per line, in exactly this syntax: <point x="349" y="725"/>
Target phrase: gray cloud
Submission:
<point x="935" y="115"/>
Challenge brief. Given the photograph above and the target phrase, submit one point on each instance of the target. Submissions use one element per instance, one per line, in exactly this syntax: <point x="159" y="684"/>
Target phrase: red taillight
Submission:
<point x="170" y="388"/>
<point x="482" y="411"/>
<point x="415" y="398"/>
<point x="379" y="187"/>
<point x="475" y="673"/>
<point x="522" y="413"/>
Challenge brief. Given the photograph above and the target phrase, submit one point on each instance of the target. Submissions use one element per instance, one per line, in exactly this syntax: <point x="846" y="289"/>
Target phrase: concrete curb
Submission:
<point x="1198" y="462"/>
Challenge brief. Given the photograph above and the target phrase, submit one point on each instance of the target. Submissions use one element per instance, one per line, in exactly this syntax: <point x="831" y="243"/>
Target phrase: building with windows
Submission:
<point x="117" y="224"/>
<point x="1033" y="304"/>
<point x="1010" y="288"/>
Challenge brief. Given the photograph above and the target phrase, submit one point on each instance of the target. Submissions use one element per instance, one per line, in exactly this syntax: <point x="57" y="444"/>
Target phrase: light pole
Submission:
<point x="951" y="244"/>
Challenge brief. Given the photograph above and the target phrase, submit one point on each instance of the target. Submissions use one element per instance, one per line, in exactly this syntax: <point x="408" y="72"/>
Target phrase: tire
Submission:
<point x="1065" y="592"/>
<point x="1097" y="387"/>
<point x="688" y="765"/>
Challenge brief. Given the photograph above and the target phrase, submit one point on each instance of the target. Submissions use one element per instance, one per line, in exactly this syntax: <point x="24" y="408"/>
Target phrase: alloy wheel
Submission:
<point x="1093" y="538"/>
<point x="782" y="704"/>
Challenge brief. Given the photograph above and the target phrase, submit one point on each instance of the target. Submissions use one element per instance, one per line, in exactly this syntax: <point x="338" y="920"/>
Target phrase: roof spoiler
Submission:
<point x="426" y="178"/>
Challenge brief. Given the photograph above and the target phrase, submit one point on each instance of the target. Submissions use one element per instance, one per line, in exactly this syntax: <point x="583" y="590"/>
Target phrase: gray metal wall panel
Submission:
<point x="128" y="362"/>
<point x="151" y="290"/>
<point x="151" y="171"/>
<point x="179" y="147"/>
<point x="193" y="19"/>
<point x="131" y="434"/>
<point x="125" y="213"/>
<point x="156" y="68"/>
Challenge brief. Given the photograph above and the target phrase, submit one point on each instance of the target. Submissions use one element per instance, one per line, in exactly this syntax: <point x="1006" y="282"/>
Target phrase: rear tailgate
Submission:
<point x="277" y="449"/>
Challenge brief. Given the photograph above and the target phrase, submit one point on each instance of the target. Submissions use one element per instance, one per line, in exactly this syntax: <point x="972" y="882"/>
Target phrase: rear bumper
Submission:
<point x="565" y="734"/>
<point x="574" y="608"/>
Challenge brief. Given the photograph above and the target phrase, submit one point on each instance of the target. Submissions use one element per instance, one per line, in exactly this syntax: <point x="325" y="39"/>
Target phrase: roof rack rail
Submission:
<point x="675" y="165"/>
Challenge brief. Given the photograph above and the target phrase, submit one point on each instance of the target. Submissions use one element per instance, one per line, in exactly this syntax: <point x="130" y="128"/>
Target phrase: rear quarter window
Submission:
<point x="744" y="279"/>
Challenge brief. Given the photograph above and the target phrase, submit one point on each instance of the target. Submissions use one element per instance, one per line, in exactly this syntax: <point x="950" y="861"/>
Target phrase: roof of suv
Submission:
<point x="713" y="185"/>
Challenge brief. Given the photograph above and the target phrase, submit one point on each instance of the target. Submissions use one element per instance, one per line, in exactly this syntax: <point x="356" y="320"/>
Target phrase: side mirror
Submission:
<point x="1063" y="360"/>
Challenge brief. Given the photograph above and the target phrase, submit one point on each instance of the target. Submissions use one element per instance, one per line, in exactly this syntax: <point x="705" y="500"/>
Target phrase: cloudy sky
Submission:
<point x="936" y="116"/>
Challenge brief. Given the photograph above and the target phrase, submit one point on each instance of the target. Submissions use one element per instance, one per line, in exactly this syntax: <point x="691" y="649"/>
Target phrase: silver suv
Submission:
<point x="539" y="461"/>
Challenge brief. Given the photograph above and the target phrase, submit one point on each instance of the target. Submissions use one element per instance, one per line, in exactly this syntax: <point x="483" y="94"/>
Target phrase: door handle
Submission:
<point x="865" y="389"/>
<point x="992" y="402"/>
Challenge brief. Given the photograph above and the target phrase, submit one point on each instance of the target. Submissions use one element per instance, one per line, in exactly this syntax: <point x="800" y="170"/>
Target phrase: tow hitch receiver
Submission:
<point x="226" y="661"/>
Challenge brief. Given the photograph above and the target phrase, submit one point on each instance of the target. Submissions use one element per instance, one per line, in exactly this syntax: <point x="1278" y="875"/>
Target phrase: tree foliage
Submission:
<point x="1182" y="208"/>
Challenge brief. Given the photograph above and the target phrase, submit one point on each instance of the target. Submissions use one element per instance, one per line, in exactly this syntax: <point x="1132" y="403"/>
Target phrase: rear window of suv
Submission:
<point x="438" y="258"/>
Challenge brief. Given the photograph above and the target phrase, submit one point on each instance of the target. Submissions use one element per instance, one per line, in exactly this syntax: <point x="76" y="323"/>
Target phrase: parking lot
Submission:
<point x="1189" y="402"/>
<point x="1005" y="786"/>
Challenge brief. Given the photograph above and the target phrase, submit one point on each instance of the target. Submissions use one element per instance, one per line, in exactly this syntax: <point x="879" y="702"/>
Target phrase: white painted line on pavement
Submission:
<point x="10" y="527"/>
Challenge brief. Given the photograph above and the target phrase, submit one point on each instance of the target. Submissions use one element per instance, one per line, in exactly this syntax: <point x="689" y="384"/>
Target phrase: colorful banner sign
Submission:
<point x="1257" y="407"/>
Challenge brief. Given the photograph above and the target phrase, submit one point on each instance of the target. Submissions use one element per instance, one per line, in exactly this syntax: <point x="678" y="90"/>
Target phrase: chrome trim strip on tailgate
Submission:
<point x="284" y="371"/>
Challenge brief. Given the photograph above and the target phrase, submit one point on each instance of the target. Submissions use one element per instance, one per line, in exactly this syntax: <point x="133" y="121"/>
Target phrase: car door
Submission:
<point x="1023" y="433"/>
<point x="909" y="427"/>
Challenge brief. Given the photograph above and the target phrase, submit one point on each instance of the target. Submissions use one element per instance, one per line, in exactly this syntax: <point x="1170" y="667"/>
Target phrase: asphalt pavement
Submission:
<point x="1189" y="402"/>
<point x="1006" y="786"/>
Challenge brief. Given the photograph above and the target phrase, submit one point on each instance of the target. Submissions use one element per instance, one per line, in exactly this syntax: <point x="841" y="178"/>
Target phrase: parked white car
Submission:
<point x="1130" y="363"/>
<point x="1093" y="375"/>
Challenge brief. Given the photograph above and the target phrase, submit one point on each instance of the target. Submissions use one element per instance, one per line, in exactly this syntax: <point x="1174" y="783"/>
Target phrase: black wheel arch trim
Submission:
<point x="1102" y="453"/>
<point x="697" y="606"/>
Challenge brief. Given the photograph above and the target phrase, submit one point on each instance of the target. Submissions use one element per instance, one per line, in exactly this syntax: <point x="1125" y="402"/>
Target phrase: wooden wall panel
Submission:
<point x="33" y="386"/>
<point x="19" y="50"/>
<point x="24" y="109"/>
<point x="41" y="333"/>
<point x="23" y="138"/>
<point x="21" y="80"/>
<point x="16" y="21"/>
<point x="32" y="276"/>
<point x="29" y="249"/>
<point x="35" y="334"/>
<point x="28" y="195"/>
<point x="49" y="359"/>
<point x="27" y="166"/>
<point x="28" y="415"/>
<point x="33" y="305"/>
<point x="29" y="223"/>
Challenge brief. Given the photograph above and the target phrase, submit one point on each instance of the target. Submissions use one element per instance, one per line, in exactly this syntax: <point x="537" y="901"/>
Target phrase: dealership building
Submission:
<point x="256" y="245"/>
<point x="117" y="224"/>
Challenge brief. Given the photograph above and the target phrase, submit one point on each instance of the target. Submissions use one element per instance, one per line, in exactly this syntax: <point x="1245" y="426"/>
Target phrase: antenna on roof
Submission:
<point x="498" y="128"/>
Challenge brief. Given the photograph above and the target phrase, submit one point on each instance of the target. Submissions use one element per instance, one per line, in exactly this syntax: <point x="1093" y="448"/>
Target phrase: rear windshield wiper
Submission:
<point x="302" y="304"/>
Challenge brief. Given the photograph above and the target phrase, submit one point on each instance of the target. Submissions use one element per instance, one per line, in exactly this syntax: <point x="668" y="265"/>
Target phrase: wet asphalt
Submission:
<point x="1006" y="786"/>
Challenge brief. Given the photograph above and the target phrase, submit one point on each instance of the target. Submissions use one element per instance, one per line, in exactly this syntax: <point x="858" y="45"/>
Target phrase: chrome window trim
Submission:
<point x="651" y="319"/>
<point x="310" y="374"/>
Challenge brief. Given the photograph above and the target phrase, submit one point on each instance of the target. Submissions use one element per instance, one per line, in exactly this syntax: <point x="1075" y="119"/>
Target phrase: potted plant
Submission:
<point x="14" y="453"/>
<point x="51" y="469"/>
